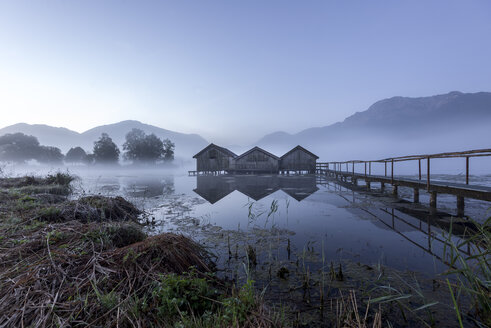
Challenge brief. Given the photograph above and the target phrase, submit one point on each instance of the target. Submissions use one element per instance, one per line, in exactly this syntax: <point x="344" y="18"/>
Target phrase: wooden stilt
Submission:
<point x="433" y="199"/>
<point x="460" y="206"/>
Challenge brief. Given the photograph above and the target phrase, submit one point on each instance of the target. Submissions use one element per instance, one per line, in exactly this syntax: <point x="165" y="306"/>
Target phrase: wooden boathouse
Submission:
<point x="256" y="160"/>
<point x="214" y="159"/>
<point x="298" y="160"/>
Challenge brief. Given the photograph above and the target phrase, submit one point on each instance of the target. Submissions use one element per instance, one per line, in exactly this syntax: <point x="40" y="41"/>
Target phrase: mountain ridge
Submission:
<point x="463" y="118"/>
<point x="399" y="119"/>
<point x="65" y="139"/>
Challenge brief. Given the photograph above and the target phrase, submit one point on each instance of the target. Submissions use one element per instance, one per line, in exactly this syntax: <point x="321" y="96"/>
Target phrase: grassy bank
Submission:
<point x="87" y="262"/>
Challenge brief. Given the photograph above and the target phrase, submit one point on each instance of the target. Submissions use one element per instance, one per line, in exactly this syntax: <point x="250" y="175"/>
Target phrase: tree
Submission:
<point x="89" y="159"/>
<point x="168" y="150"/>
<point x="105" y="150"/>
<point x="76" y="155"/>
<point x="48" y="154"/>
<point x="143" y="148"/>
<point x="18" y="147"/>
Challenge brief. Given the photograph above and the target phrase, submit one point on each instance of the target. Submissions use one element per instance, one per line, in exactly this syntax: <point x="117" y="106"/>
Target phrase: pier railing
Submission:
<point x="346" y="170"/>
<point x="340" y="166"/>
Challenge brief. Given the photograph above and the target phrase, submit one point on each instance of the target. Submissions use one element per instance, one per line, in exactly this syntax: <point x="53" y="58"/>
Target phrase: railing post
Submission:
<point x="392" y="172"/>
<point x="369" y="168"/>
<point x="428" y="173"/>
<point x="419" y="164"/>
<point x="365" y="168"/>
<point x="467" y="170"/>
<point x="385" y="162"/>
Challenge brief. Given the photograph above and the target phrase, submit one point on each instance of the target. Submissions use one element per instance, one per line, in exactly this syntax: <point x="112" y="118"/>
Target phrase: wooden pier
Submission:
<point x="345" y="171"/>
<point x="216" y="172"/>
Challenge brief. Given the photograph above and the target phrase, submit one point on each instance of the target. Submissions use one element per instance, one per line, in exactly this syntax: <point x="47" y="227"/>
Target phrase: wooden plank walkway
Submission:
<point x="441" y="187"/>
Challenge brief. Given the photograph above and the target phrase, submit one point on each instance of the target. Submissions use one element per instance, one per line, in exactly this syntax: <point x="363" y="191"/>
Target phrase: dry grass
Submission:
<point x="348" y="313"/>
<point x="87" y="262"/>
<point x="65" y="276"/>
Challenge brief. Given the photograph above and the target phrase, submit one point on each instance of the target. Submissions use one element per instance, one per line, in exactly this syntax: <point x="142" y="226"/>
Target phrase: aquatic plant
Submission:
<point x="59" y="178"/>
<point x="471" y="272"/>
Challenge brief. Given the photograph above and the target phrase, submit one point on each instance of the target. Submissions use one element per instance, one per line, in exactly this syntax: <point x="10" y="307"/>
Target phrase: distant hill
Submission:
<point x="47" y="135"/>
<point x="398" y="125"/>
<point x="186" y="144"/>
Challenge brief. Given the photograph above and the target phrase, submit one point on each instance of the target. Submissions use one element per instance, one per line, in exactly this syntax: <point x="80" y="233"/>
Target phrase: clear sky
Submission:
<point x="232" y="70"/>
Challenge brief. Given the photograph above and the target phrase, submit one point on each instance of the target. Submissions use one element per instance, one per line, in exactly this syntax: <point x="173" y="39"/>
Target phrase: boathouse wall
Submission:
<point x="298" y="159"/>
<point x="256" y="160"/>
<point x="214" y="158"/>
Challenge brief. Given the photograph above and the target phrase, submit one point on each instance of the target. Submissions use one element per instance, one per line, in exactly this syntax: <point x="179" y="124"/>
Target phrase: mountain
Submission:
<point x="186" y="144"/>
<point x="398" y="125"/>
<point x="62" y="138"/>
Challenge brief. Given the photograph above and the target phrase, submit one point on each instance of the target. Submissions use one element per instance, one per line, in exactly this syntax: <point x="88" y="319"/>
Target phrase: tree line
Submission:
<point x="139" y="148"/>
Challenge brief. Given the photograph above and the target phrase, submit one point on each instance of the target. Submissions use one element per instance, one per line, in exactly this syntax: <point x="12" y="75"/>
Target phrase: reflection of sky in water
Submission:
<point x="349" y="225"/>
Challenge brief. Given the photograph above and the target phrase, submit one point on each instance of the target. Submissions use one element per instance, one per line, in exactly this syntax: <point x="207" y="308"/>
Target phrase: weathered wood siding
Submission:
<point x="214" y="159"/>
<point x="256" y="161"/>
<point x="298" y="160"/>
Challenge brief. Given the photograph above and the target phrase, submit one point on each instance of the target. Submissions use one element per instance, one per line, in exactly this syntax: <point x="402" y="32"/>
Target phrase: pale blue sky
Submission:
<point x="232" y="70"/>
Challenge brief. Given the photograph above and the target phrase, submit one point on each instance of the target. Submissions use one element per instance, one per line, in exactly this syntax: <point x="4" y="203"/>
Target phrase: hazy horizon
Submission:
<point x="232" y="72"/>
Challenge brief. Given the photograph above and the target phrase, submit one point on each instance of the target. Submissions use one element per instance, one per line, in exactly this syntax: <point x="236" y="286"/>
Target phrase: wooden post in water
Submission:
<point x="419" y="164"/>
<point x="428" y="175"/>
<point x="394" y="190"/>
<point x="416" y="195"/>
<point x="467" y="170"/>
<point x="460" y="206"/>
<point x="385" y="162"/>
<point x="433" y="199"/>
<point x="368" y="185"/>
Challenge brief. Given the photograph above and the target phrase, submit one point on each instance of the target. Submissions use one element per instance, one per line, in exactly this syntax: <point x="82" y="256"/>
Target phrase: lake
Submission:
<point x="364" y="227"/>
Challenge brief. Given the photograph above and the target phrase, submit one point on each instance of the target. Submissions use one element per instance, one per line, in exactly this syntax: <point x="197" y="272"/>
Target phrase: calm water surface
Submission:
<point x="347" y="225"/>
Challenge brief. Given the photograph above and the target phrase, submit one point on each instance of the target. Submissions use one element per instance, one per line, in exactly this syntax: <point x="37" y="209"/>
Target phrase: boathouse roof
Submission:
<point x="212" y="145"/>
<point x="259" y="149"/>
<point x="302" y="149"/>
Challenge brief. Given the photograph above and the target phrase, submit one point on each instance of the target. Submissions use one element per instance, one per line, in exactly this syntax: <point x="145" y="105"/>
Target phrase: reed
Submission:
<point x="472" y="274"/>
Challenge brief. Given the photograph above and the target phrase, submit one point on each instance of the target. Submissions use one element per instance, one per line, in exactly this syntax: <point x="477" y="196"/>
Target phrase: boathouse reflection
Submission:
<point x="214" y="188"/>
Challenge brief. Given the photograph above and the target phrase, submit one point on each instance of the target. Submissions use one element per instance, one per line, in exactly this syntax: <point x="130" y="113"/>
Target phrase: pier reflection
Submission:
<point x="214" y="188"/>
<point x="422" y="228"/>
